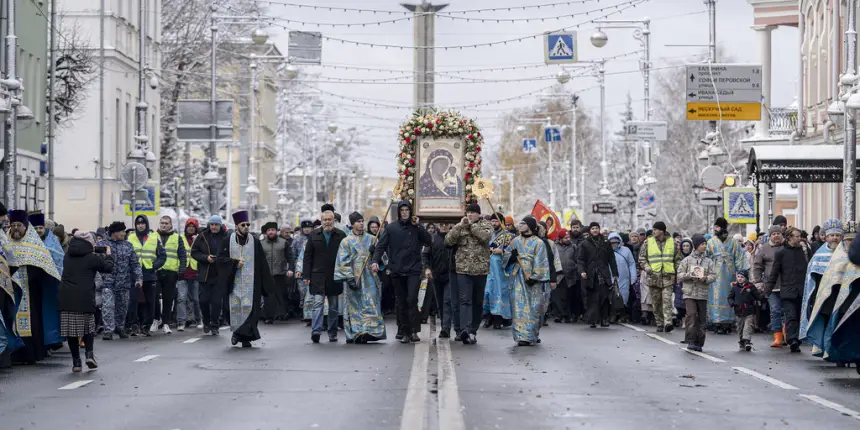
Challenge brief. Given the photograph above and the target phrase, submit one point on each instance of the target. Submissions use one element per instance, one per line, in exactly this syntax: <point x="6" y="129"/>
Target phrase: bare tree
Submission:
<point x="76" y="70"/>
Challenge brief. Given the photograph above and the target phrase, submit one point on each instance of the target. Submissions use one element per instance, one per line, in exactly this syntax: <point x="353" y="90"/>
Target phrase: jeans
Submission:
<point x="167" y="286"/>
<point x="192" y="302"/>
<point x="210" y="304"/>
<point x="317" y="318"/>
<point x="181" y="302"/>
<point x="471" y="293"/>
<point x="406" y="290"/>
<point x="448" y="310"/>
<point x="775" y="303"/>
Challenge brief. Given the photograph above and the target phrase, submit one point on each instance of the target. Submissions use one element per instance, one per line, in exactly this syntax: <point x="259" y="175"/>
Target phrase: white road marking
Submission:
<point x="632" y="327"/>
<point x="660" y="338"/>
<point x="835" y="406"/>
<point x="145" y="358"/>
<point x="192" y="340"/>
<point x="705" y="356"/>
<point x="415" y="405"/>
<point x="450" y="417"/>
<point x="74" y="385"/>
<point x="765" y="378"/>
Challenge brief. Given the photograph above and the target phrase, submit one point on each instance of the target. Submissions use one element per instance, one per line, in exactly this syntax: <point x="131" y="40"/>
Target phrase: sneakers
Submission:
<point x="154" y="326"/>
<point x="458" y="337"/>
<point x="414" y="338"/>
<point x="180" y="327"/>
<point x="135" y="331"/>
<point x="669" y="328"/>
<point x="332" y="338"/>
<point x="444" y="334"/>
<point x="399" y="335"/>
<point x="123" y="334"/>
<point x="465" y="337"/>
<point x="91" y="360"/>
<point x="107" y="336"/>
<point x="201" y="326"/>
<point x="166" y="329"/>
<point x="214" y="331"/>
<point x="315" y="337"/>
<point x="659" y="329"/>
<point x="206" y="329"/>
<point x="76" y="365"/>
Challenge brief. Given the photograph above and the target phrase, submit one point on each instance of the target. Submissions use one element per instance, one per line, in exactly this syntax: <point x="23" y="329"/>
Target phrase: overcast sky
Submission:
<point x="673" y="22"/>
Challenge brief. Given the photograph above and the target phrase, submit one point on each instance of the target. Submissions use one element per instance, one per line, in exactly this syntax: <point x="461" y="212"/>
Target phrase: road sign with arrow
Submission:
<point x="730" y="92"/>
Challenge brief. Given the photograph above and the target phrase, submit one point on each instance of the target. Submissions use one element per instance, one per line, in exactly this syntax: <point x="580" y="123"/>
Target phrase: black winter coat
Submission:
<point x="743" y="298"/>
<point x="789" y="266"/>
<point x="437" y="258"/>
<point x="596" y="258"/>
<point x="78" y="287"/>
<point x="204" y="246"/>
<point x="319" y="262"/>
<point x="402" y="241"/>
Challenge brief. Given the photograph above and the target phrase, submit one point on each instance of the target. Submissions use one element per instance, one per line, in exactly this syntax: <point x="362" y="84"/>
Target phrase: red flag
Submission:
<point x="542" y="213"/>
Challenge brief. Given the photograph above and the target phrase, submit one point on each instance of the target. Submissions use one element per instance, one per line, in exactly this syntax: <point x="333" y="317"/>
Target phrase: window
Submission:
<point x="117" y="132"/>
<point x="128" y="136"/>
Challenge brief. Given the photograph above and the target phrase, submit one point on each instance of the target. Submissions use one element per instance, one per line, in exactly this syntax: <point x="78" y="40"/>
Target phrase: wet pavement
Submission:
<point x="616" y="378"/>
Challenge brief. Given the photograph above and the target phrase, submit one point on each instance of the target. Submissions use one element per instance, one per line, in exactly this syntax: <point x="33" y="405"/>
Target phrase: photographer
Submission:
<point x="77" y="295"/>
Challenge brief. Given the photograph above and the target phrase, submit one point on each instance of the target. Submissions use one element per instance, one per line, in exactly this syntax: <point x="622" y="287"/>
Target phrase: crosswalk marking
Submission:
<point x="74" y="385"/>
<point x="145" y="358"/>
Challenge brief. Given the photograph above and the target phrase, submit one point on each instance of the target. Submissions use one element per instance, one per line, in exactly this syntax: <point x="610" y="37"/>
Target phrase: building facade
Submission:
<point x="78" y="143"/>
<point x="31" y="28"/>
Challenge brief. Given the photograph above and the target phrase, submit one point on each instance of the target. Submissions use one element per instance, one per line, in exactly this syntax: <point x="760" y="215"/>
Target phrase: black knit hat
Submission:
<point x="532" y="223"/>
<point x="473" y="207"/>
<point x="593" y="224"/>
<point x="327" y="207"/>
<point x="355" y="217"/>
<point x="722" y="223"/>
<point x="659" y="225"/>
<point x="698" y="239"/>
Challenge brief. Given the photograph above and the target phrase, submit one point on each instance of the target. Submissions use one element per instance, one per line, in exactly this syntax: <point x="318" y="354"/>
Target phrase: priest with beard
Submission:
<point x="35" y="266"/>
<point x="245" y="278"/>
<point x="597" y="269"/>
<point x="729" y="257"/>
<point x="51" y="287"/>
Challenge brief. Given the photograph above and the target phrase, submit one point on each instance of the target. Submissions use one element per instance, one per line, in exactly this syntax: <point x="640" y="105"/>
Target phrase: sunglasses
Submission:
<point x="245" y="224"/>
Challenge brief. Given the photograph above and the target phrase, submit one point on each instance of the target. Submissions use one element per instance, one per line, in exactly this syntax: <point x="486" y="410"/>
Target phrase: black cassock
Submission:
<point x="263" y="286"/>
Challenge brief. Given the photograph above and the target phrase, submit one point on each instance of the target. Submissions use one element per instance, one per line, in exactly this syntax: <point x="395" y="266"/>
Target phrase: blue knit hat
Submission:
<point x="216" y="219"/>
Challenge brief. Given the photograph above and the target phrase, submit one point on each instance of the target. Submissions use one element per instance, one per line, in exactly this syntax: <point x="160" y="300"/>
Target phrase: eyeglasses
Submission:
<point x="245" y="224"/>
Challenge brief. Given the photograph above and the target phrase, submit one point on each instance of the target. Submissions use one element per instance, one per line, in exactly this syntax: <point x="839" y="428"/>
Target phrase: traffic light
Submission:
<point x="731" y="180"/>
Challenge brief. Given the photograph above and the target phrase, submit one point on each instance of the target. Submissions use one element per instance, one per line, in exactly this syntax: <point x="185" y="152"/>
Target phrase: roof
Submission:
<point x="772" y="164"/>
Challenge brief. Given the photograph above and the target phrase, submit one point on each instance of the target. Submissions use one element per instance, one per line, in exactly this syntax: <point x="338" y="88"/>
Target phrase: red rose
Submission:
<point x="477" y="149"/>
<point x="412" y="162"/>
<point x="462" y="122"/>
<point x="407" y="140"/>
<point x="479" y="134"/>
<point x="438" y="121"/>
<point x="471" y="164"/>
<point x="468" y="175"/>
<point x="470" y="137"/>
<point x="406" y="171"/>
<point x="429" y="125"/>
<point x="417" y="131"/>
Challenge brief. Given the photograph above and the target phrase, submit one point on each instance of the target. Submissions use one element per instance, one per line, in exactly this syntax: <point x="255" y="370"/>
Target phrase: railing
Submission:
<point x="783" y="121"/>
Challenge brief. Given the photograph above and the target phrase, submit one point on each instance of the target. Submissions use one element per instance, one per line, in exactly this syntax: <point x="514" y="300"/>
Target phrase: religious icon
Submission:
<point x="440" y="189"/>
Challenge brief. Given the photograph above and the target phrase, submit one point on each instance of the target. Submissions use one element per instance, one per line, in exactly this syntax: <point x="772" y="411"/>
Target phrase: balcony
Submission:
<point x="774" y="12"/>
<point x="782" y="123"/>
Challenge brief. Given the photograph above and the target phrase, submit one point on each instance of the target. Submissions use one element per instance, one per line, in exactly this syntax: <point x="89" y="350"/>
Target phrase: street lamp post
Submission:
<point x="852" y="103"/>
<point x="258" y="37"/>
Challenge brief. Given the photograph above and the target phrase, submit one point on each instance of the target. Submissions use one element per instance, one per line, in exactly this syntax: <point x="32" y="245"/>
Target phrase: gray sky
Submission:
<point x="673" y="22"/>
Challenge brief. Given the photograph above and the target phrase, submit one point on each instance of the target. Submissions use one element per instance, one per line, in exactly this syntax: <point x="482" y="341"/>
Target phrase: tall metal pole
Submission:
<point x="316" y="171"/>
<point x="712" y="42"/>
<point x="849" y="182"/>
<point x="574" y="195"/>
<point x="646" y="68"/>
<point x="549" y="154"/>
<point x="213" y="129"/>
<point x="142" y="138"/>
<point x="10" y="186"/>
<point x="102" y="60"/>
<point x="513" y="208"/>
<point x="424" y="38"/>
<point x="252" y="132"/>
<point x="52" y="100"/>
<point x="604" y="166"/>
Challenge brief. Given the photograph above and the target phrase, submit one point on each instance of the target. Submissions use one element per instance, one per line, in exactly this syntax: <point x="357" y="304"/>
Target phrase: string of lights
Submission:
<point x="403" y="12"/>
<point x="606" y="12"/>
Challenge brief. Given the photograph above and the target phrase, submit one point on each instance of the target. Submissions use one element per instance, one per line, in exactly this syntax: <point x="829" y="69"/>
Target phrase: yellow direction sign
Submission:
<point x="710" y="111"/>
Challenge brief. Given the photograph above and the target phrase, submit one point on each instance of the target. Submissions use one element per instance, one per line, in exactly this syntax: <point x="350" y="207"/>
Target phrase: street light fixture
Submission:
<point x="562" y="77"/>
<point x="332" y="127"/>
<point x="836" y="111"/>
<point x="259" y="36"/>
<point x="599" y="39"/>
<point x="521" y="129"/>
<point x="291" y="71"/>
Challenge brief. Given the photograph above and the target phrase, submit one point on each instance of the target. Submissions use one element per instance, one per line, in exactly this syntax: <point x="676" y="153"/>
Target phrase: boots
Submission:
<point x="778" y="339"/>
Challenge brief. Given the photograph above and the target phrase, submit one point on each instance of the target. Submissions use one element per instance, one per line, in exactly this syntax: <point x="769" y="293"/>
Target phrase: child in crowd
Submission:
<point x="743" y="298"/>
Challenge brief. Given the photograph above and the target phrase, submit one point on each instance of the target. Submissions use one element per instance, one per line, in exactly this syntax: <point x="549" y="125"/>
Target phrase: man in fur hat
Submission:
<point x="118" y="285"/>
<point x="277" y="257"/>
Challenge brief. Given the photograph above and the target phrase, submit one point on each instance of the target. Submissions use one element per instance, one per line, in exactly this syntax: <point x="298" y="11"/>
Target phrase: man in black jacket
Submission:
<point x="436" y="259"/>
<point x="319" y="260"/>
<point x="596" y="263"/>
<point x="402" y="240"/>
<point x="205" y="250"/>
<point x="789" y="267"/>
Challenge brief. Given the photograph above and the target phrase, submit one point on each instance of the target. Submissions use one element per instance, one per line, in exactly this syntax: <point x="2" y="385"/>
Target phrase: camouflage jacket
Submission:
<point x="473" y="247"/>
<point x="126" y="266"/>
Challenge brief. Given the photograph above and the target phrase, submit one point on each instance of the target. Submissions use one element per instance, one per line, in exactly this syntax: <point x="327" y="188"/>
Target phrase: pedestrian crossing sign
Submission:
<point x="739" y="205"/>
<point x="560" y="48"/>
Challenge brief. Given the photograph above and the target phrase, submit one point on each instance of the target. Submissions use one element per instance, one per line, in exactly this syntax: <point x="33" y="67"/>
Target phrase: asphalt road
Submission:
<point x="616" y="378"/>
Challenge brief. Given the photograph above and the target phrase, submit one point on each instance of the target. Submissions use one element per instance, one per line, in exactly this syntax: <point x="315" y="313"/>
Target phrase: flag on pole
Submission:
<point x="542" y="213"/>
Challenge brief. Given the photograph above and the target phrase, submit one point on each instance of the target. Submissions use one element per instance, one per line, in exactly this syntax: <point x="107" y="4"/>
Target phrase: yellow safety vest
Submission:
<point x="192" y="263"/>
<point x="146" y="253"/>
<point x="171" y="248"/>
<point x="661" y="261"/>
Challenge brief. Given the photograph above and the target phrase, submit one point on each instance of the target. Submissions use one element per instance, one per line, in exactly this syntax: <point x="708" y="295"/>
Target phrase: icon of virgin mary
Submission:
<point x="440" y="176"/>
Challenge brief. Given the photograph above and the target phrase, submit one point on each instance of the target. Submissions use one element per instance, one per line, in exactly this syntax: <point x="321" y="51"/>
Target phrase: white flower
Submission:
<point x="411" y="192"/>
<point x="410" y="178"/>
<point x="470" y="156"/>
<point x="468" y="188"/>
<point x="460" y="129"/>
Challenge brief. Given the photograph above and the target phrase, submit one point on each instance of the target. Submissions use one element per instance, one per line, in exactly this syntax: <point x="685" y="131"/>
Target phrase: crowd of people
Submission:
<point x="482" y="271"/>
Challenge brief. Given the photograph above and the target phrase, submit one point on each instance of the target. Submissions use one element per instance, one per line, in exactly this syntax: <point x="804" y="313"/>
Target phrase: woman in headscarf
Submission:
<point x="77" y="295"/>
<point x="626" y="269"/>
<point x="680" y="307"/>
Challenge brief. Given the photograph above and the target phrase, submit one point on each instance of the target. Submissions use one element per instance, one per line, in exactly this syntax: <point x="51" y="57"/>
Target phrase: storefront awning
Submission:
<point x="772" y="164"/>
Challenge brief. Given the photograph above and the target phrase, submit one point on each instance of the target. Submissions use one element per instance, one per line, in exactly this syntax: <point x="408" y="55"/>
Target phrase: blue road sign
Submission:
<point x="529" y="145"/>
<point x="552" y="134"/>
<point x="560" y="48"/>
<point x="739" y="205"/>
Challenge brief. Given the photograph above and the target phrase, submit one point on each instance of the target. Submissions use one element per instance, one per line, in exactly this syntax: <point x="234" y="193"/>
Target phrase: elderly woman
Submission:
<point x="77" y="295"/>
<point x="626" y="263"/>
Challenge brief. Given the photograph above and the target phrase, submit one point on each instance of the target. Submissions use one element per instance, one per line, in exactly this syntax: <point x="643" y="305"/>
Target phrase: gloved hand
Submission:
<point x="531" y="282"/>
<point x="352" y="284"/>
<point x="372" y="249"/>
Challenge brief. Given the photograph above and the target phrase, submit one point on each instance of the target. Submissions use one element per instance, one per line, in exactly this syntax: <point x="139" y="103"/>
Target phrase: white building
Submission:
<point x="78" y="144"/>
